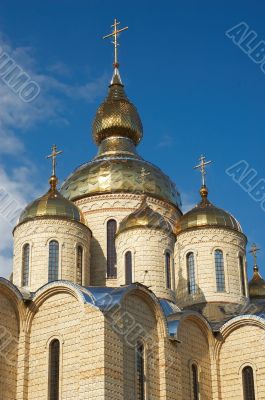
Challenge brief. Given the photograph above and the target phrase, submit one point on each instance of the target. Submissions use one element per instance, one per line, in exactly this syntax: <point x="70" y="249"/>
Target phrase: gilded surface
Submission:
<point x="51" y="204"/>
<point x="206" y="214"/>
<point x="257" y="285"/>
<point x="120" y="174"/>
<point x="117" y="116"/>
<point x="117" y="129"/>
<point x="145" y="217"/>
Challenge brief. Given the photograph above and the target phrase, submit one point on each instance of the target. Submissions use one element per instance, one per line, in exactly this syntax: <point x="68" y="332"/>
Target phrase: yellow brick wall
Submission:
<point x="148" y="247"/>
<point x="9" y="337"/>
<point x="136" y="319"/>
<point x="203" y="243"/>
<point x="98" y="210"/>
<point x="245" y="345"/>
<point x="38" y="233"/>
<point x="81" y="332"/>
<point x="194" y="346"/>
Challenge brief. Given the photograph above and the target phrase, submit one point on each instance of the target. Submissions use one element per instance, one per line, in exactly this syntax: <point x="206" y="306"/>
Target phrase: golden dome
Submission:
<point x="117" y="116"/>
<point x="145" y="217"/>
<point x="120" y="173"/>
<point x="205" y="214"/>
<point x="256" y="285"/>
<point x="117" y="168"/>
<point x="52" y="204"/>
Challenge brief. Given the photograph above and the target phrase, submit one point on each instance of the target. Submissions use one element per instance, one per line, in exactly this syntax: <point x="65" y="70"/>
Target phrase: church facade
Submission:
<point x="118" y="295"/>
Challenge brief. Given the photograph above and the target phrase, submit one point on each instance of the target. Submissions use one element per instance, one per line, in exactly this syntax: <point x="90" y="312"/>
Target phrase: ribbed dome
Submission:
<point x="52" y="204"/>
<point x="145" y="217"/>
<point x="256" y="285"/>
<point x="118" y="168"/>
<point x="206" y="214"/>
<point x="120" y="173"/>
<point x="117" y="116"/>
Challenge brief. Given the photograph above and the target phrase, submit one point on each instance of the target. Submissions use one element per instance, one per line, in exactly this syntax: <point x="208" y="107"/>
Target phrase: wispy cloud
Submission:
<point x="166" y="141"/>
<point x="59" y="68"/>
<point x="18" y="117"/>
<point x="17" y="183"/>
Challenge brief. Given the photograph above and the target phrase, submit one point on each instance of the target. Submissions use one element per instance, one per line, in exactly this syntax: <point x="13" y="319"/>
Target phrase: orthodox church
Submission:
<point x="116" y="295"/>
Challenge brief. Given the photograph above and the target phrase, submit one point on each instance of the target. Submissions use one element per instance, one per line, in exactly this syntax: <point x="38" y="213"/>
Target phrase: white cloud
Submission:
<point x="60" y="68"/>
<point x="48" y="105"/>
<point x="17" y="117"/>
<point x="16" y="189"/>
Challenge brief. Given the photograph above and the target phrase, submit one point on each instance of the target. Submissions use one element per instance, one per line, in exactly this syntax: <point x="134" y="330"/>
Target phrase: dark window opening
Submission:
<point x="128" y="268"/>
<point x="53" y="261"/>
<point x="191" y="281"/>
<point x="248" y="383"/>
<point x="219" y="271"/>
<point x="111" y="249"/>
<point x="25" y="265"/>
<point x="54" y="370"/>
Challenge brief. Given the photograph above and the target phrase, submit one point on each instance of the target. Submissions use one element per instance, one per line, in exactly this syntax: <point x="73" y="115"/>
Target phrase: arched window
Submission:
<point x="128" y="267"/>
<point x="25" y="265"/>
<point x="53" y="261"/>
<point x="191" y="274"/>
<point x="79" y="265"/>
<point x="242" y="275"/>
<point x="248" y="383"/>
<point x="140" y="371"/>
<point x="54" y="369"/>
<point x="168" y="269"/>
<point x="219" y="271"/>
<point x="195" y="382"/>
<point x="111" y="250"/>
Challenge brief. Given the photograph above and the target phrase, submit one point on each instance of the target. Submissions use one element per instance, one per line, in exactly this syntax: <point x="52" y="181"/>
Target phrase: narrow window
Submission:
<point x="79" y="265"/>
<point x="53" y="261"/>
<point x="248" y="383"/>
<point x="191" y="274"/>
<point x="111" y="250"/>
<point x="242" y="275"/>
<point x="219" y="271"/>
<point x="195" y="382"/>
<point x="168" y="270"/>
<point x="140" y="371"/>
<point x="128" y="268"/>
<point x="25" y="265"/>
<point x="54" y="369"/>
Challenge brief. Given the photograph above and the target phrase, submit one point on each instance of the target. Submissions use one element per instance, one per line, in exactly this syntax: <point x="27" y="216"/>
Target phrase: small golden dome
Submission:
<point x="256" y="285"/>
<point x="52" y="204"/>
<point x="145" y="217"/>
<point x="206" y="214"/>
<point x="117" y="116"/>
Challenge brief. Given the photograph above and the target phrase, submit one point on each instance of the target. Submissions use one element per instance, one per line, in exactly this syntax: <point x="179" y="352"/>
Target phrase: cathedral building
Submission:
<point x="118" y="295"/>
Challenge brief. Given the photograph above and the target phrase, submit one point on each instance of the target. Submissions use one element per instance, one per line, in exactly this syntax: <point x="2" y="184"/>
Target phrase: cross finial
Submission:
<point x="253" y="251"/>
<point x="202" y="168"/>
<point x="53" y="155"/>
<point x="115" y="34"/>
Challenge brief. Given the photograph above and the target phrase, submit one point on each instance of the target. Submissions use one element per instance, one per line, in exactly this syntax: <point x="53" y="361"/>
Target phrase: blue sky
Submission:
<point x="196" y="91"/>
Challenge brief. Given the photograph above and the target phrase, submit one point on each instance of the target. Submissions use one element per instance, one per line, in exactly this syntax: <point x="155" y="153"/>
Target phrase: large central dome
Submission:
<point x="117" y="168"/>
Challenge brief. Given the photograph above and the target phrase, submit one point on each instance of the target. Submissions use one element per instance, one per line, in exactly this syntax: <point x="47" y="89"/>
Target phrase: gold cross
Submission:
<point x="53" y="156"/>
<point x="202" y="168"/>
<point x="115" y="34"/>
<point x="253" y="251"/>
